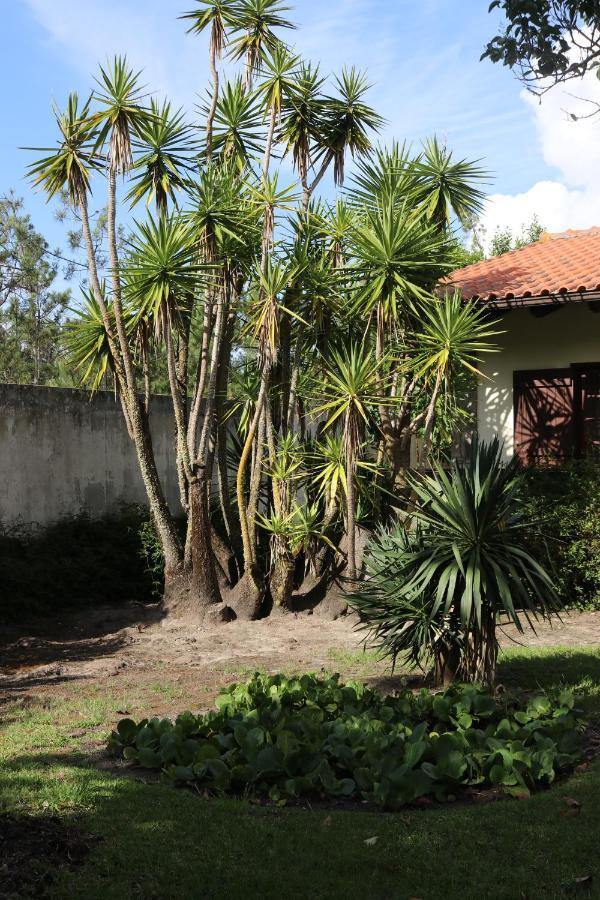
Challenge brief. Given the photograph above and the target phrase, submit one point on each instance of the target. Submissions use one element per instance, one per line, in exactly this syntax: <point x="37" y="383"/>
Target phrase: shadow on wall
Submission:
<point x="79" y="563"/>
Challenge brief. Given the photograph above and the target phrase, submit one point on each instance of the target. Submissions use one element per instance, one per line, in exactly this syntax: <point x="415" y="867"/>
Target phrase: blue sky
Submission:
<point x="422" y="57"/>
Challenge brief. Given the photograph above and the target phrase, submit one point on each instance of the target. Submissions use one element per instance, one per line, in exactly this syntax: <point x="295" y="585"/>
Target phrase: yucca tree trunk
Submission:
<point x="285" y="365"/>
<point x="136" y="420"/>
<point x="202" y="372"/>
<point x="282" y="581"/>
<point x="248" y="594"/>
<point x="269" y="143"/>
<point x="446" y="666"/>
<point x="199" y="551"/>
<point x="323" y="553"/>
<point x="351" y="515"/>
<point x="256" y="475"/>
<point x="95" y="283"/>
<point x="480" y="658"/>
<point x="214" y="102"/>
<point x="294" y="379"/>
<point x="229" y="520"/>
<point x="179" y="408"/>
<point x="430" y="421"/>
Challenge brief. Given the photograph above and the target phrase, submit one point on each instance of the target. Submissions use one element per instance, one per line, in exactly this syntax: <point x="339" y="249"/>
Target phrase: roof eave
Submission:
<point x="558" y="299"/>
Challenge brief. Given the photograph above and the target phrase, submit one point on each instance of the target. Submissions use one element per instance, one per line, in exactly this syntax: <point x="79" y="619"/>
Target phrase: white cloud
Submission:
<point x="572" y="200"/>
<point x="88" y="32"/>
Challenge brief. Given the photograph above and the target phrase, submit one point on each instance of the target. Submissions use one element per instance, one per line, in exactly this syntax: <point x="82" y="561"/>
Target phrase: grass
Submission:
<point x="158" y="842"/>
<point x="361" y="663"/>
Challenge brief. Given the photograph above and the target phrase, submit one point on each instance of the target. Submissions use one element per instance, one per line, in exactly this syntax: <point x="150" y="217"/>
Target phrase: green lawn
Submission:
<point x="159" y="842"/>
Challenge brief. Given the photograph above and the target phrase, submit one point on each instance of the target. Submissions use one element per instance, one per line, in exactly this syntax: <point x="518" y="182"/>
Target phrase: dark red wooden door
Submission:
<point x="544" y="416"/>
<point x="587" y="408"/>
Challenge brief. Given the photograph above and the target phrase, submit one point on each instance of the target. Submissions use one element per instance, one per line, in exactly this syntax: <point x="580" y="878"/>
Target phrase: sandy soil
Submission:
<point x="130" y="646"/>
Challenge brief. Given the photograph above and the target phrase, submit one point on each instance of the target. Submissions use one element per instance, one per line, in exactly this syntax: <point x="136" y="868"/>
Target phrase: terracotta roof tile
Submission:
<point x="567" y="262"/>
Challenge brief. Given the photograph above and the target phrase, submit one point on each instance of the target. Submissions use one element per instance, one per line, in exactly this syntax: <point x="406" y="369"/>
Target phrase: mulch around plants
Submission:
<point x="32" y="848"/>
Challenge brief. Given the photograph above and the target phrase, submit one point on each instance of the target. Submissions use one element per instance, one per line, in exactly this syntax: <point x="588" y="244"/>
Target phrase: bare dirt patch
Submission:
<point x="181" y="666"/>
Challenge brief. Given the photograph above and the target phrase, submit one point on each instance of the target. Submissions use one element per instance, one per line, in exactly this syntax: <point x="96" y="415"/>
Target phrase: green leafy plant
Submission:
<point x="80" y="563"/>
<point x="285" y="738"/>
<point x="463" y="565"/>
<point x="564" y="504"/>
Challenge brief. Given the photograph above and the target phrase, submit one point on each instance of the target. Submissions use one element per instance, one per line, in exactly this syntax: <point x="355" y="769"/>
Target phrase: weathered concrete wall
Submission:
<point x="62" y="454"/>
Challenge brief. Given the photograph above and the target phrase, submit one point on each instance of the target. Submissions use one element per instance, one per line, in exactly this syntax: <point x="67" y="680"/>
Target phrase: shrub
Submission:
<point x="437" y="589"/>
<point x="284" y="738"/>
<point x="563" y="504"/>
<point x="79" y="562"/>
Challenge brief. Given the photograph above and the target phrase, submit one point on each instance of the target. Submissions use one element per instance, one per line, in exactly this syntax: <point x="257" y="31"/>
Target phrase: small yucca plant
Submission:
<point x="438" y="589"/>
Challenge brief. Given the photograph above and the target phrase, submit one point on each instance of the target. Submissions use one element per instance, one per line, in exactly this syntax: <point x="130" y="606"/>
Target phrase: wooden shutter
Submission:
<point x="544" y="428"/>
<point x="587" y="408"/>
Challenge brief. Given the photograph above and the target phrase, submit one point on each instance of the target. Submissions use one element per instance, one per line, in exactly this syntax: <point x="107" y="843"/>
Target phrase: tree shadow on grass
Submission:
<point x="161" y="842"/>
<point x="547" y="669"/>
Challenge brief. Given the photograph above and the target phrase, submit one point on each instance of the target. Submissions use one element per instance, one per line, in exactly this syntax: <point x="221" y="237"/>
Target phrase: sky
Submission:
<point x="423" y="60"/>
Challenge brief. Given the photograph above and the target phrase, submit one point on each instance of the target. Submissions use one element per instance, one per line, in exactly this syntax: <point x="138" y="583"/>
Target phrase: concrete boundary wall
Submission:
<point x="63" y="453"/>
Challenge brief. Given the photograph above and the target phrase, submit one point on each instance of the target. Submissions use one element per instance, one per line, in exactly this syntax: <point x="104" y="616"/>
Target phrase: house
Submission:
<point x="541" y="395"/>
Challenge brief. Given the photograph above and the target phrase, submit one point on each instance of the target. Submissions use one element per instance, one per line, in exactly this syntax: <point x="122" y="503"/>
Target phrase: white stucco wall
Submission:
<point x="63" y="454"/>
<point x="569" y="335"/>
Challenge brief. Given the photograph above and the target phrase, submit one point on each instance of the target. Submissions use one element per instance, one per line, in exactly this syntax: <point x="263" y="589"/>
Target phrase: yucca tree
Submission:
<point x="447" y="187"/>
<point x="285" y="471"/>
<point x="257" y="22"/>
<point x="277" y="82"/>
<point x="451" y="340"/>
<point x="268" y="197"/>
<point x="121" y="113"/>
<point x="387" y="173"/>
<point x="470" y="558"/>
<point x="302" y="121"/>
<point x="348" y="123"/>
<point x="398" y="257"/>
<point x="338" y="224"/>
<point x="86" y="342"/>
<point x="264" y="311"/>
<point x="161" y="277"/>
<point x="237" y="128"/>
<point x="216" y="16"/>
<point x="88" y="348"/>
<point x="165" y="148"/>
<point x="350" y="389"/>
<point x="239" y="264"/>
<point x="68" y="168"/>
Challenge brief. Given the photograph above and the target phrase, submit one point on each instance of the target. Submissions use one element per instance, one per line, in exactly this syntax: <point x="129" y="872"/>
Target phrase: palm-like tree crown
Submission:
<point x="167" y="146"/>
<point x="452" y="335"/>
<point x="121" y="113"/>
<point x="269" y="286"/>
<point x="400" y="256"/>
<point x="162" y="271"/>
<point x="86" y="341"/>
<point x="69" y="167"/>
<point x="278" y="68"/>
<point x="348" y="121"/>
<point x="352" y="384"/>
<point x="237" y="125"/>
<point x="303" y="113"/>
<point x="256" y="21"/>
<point x="224" y="222"/>
<point x="387" y="173"/>
<point x="447" y="187"/>
<point x="217" y="15"/>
